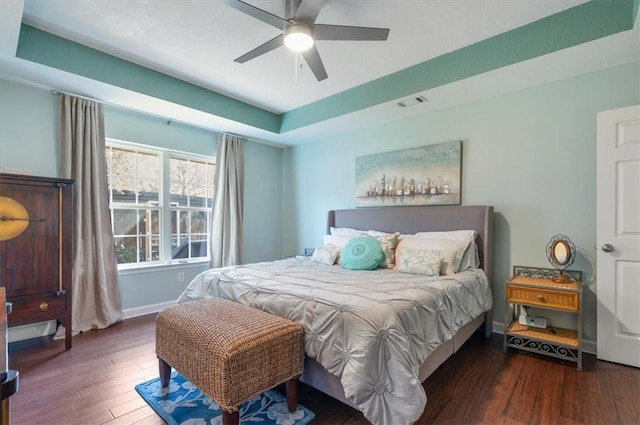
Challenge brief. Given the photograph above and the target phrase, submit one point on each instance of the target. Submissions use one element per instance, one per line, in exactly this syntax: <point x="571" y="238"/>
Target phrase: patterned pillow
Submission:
<point x="415" y="247"/>
<point x="388" y="243"/>
<point x="326" y="255"/>
<point x="362" y="253"/>
<point x="429" y="266"/>
<point x="468" y="258"/>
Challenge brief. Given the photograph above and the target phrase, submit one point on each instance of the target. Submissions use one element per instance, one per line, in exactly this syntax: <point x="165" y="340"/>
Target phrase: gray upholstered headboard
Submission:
<point x="424" y="219"/>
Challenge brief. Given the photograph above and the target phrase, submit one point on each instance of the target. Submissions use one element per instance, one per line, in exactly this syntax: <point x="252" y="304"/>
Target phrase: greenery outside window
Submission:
<point x="192" y="184"/>
<point x="160" y="203"/>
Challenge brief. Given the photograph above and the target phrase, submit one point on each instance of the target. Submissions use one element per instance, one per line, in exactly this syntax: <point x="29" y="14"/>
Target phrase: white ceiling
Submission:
<point x="197" y="40"/>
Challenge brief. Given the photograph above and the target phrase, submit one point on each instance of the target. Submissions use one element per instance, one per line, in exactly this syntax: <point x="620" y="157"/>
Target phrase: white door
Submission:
<point x="618" y="235"/>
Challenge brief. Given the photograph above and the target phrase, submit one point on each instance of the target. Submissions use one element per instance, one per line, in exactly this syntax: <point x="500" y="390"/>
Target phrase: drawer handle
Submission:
<point x="540" y="297"/>
<point x="44" y="307"/>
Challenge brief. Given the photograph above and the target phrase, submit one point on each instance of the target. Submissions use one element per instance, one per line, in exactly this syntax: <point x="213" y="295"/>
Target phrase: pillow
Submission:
<point x="469" y="255"/>
<point x="337" y="240"/>
<point x="326" y="255"/>
<point x="459" y="235"/>
<point x="429" y="266"/>
<point x="377" y="233"/>
<point x="346" y="231"/>
<point x="362" y="253"/>
<point x="388" y="242"/>
<point x="416" y="247"/>
<point x="470" y="258"/>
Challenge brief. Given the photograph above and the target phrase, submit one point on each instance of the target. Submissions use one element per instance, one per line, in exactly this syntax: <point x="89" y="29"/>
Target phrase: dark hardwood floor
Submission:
<point x="93" y="383"/>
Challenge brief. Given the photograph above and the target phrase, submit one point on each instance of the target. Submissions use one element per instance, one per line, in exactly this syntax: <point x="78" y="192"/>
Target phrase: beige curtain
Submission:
<point x="226" y="219"/>
<point x="95" y="288"/>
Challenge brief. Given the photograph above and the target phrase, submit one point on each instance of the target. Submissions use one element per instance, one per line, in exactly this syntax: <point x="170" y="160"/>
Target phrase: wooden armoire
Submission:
<point x="36" y="265"/>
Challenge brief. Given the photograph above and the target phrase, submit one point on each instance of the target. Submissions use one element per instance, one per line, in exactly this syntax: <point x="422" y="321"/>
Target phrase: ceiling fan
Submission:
<point x="299" y="31"/>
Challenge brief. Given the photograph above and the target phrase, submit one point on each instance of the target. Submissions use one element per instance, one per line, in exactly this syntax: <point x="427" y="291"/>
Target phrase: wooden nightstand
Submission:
<point x="533" y="287"/>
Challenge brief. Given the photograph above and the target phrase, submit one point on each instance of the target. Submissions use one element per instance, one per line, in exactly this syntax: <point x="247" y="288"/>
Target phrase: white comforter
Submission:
<point x="372" y="329"/>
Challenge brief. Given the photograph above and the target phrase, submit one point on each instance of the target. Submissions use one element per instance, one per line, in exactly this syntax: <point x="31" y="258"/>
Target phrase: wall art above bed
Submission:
<point x="428" y="175"/>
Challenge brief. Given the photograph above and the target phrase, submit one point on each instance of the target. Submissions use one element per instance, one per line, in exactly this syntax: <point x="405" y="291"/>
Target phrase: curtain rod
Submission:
<point x="168" y="120"/>
<point x="56" y="92"/>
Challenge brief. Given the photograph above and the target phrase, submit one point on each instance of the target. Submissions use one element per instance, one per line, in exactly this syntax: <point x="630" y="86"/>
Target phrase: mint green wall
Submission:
<point x="531" y="154"/>
<point x="154" y="131"/>
<point x="28" y="141"/>
<point x="24" y="145"/>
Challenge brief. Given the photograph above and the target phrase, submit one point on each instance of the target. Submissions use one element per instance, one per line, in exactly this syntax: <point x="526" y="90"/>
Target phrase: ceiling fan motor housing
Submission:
<point x="298" y="37"/>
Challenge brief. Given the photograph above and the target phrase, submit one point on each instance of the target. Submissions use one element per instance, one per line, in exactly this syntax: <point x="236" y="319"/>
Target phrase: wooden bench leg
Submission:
<point x="165" y="372"/>
<point x="291" y="388"/>
<point x="232" y="418"/>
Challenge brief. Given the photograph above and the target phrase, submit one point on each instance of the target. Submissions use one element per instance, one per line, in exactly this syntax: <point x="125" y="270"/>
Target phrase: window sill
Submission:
<point x="152" y="268"/>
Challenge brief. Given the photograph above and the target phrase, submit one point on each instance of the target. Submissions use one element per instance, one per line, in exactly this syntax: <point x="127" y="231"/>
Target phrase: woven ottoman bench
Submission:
<point x="230" y="351"/>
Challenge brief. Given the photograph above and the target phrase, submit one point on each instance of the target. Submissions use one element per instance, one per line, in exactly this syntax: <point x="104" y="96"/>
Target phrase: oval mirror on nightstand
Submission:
<point x="561" y="253"/>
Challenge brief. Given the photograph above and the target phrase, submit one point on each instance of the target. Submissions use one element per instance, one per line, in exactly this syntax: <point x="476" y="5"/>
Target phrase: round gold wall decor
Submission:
<point x="14" y="218"/>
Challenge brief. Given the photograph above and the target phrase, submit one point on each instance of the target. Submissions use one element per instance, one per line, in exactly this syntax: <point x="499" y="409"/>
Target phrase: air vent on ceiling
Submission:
<point x="412" y="101"/>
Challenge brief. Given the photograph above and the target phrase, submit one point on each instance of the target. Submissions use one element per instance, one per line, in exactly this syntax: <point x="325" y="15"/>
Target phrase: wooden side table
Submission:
<point x="533" y="287"/>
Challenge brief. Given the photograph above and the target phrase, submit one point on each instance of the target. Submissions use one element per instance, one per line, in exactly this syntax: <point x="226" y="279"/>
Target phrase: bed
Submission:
<point x="372" y="337"/>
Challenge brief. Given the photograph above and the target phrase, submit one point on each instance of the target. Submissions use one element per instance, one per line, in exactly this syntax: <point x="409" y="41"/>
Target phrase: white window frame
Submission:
<point x="177" y="208"/>
<point x="164" y="206"/>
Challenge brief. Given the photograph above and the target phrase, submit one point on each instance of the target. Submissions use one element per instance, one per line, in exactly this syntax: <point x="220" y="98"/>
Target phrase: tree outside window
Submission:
<point x="140" y="204"/>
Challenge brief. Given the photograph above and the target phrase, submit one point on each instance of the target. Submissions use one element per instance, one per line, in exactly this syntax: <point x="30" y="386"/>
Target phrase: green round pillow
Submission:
<point x="362" y="253"/>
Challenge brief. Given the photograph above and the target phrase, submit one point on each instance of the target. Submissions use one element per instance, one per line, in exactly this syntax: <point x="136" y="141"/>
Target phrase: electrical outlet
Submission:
<point x="308" y="251"/>
<point x="180" y="277"/>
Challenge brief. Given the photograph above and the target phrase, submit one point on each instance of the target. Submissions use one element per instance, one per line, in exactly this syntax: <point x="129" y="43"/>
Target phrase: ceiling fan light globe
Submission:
<point x="298" y="38"/>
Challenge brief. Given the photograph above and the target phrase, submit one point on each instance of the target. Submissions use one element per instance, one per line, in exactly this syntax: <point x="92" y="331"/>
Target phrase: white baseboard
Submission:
<point x="130" y="313"/>
<point x="37" y="330"/>
<point x="588" y="346"/>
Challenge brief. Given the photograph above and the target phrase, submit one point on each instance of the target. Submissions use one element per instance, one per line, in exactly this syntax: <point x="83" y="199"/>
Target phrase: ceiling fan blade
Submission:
<point x="309" y="10"/>
<point x="344" y="32"/>
<point x="259" y="14"/>
<point x="270" y="45"/>
<point x="312" y="57"/>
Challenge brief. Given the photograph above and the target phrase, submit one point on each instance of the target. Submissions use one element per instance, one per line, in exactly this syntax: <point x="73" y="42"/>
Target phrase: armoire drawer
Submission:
<point x="36" y="309"/>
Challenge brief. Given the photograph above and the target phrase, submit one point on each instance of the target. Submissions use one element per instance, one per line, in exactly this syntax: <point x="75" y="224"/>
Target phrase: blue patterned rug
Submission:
<point x="181" y="403"/>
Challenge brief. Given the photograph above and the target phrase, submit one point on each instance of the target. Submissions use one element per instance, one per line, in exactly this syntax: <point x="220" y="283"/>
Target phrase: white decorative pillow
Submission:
<point x="388" y="242"/>
<point x="415" y="247"/>
<point x="468" y="257"/>
<point x="326" y="255"/>
<point x="429" y="266"/>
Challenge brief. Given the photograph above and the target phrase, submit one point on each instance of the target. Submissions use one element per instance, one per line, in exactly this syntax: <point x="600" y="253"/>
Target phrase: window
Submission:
<point x="191" y="183"/>
<point x="160" y="203"/>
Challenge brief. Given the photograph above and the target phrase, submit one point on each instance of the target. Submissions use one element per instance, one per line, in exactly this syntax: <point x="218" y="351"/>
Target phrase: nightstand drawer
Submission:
<point x="543" y="297"/>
